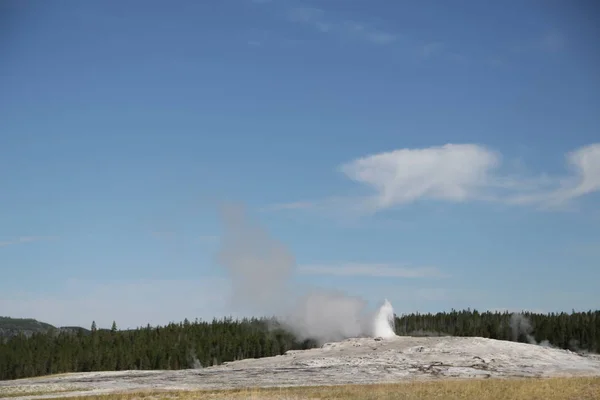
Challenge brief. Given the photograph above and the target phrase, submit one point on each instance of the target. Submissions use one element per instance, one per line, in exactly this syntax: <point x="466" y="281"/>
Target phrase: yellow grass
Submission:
<point x="489" y="389"/>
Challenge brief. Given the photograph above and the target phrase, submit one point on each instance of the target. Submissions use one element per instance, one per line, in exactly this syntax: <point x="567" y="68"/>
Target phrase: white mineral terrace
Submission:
<point x="364" y="360"/>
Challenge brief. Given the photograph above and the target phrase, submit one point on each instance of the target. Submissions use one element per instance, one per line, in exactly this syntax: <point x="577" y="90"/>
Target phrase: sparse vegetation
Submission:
<point x="199" y="343"/>
<point x="492" y="389"/>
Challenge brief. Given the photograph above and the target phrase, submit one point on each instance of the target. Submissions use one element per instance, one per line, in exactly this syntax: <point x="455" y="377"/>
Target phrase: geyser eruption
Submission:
<point x="384" y="321"/>
<point x="326" y="316"/>
<point x="260" y="268"/>
<point x="521" y="326"/>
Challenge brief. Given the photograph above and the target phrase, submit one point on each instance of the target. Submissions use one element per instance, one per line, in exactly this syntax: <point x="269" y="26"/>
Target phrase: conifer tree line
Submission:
<point x="200" y="344"/>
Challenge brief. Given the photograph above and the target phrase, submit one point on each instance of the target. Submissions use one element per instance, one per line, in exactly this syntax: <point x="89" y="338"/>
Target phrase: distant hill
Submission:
<point x="74" y="329"/>
<point x="28" y="326"/>
<point x="14" y="326"/>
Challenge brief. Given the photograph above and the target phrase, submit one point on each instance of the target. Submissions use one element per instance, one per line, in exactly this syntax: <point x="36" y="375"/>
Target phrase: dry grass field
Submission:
<point x="481" y="389"/>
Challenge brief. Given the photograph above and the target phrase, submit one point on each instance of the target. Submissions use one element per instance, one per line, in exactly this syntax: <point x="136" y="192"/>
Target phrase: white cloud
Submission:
<point x="25" y="239"/>
<point x="459" y="173"/>
<point x="584" y="179"/>
<point x="586" y="163"/>
<point x="455" y="172"/>
<point x="372" y="270"/>
<point x="318" y="20"/>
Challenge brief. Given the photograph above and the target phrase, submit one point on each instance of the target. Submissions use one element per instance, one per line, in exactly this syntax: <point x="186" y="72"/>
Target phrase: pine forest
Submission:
<point x="200" y="344"/>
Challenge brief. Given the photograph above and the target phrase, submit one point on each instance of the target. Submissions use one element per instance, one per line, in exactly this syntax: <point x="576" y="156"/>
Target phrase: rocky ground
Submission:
<point x="364" y="360"/>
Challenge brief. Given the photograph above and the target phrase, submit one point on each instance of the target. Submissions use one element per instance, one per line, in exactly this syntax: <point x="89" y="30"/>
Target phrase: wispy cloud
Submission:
<point x="163" y="234"/>
<point x="460" y="173"/>
<point x="174" y="236"/>
<point x="26" y="239"/>
<point x="450" y="172"/>
<point x="549" y="42"/>
<point x="430" y="49"/>
<point x="584" y="179"/>
<point x="318" y="20"/>
<point x="441" y="51"/>
<point x="298" y="205"/>
<point x="553" y="42"/>
<point x="331" y="23"/>
<point x="372" y="270"/>
<point x="208" y="238"/>
<point x="259" y="38"/>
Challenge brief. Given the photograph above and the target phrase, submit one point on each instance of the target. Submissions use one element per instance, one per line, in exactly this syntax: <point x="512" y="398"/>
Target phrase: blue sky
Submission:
<point x="440" y="154"/>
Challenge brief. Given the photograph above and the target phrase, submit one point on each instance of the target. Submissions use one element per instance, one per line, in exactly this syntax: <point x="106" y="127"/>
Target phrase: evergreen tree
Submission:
<point x="190" y="344"/>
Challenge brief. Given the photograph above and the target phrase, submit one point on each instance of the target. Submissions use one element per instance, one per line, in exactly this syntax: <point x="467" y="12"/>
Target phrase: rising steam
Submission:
<point x="384" y="321"/>
<point x="260" y="269"/>
<point x="521" y="328"/>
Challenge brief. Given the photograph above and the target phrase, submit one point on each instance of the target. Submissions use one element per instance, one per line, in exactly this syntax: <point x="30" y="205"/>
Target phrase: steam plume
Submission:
<point x="260" y="269"/>
<point x="384" y="321"/>
<point x="258" y="265"/>
<point x="520" y="326"/>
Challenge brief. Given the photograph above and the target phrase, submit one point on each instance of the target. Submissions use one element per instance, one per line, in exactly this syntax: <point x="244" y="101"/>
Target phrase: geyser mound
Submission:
<point x="383" y="323"/>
